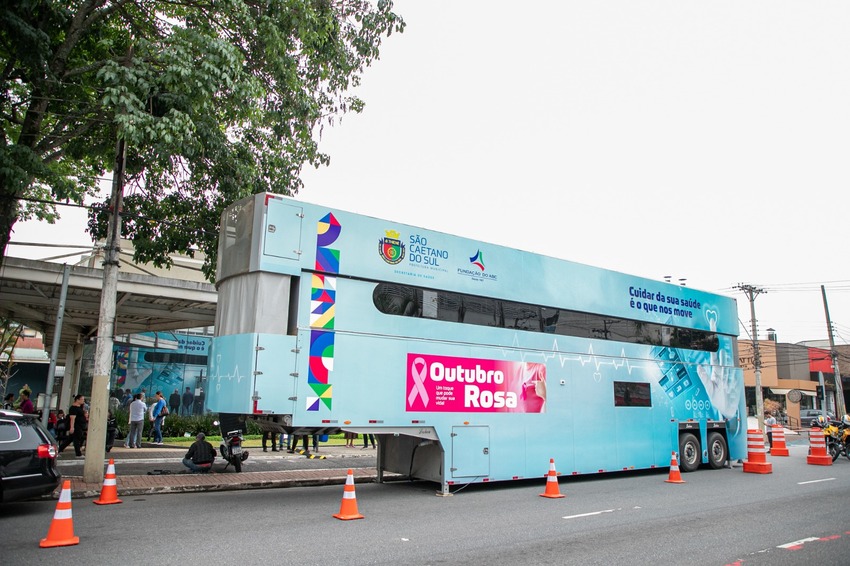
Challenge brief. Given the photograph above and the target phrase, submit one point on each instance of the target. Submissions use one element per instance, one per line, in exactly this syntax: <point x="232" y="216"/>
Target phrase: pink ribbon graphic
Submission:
<point x="418" y="372"/>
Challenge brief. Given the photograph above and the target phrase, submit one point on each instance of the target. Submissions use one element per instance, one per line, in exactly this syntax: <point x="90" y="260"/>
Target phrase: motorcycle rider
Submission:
<point x="821" y="422"/>
<point x="200" y="456"/>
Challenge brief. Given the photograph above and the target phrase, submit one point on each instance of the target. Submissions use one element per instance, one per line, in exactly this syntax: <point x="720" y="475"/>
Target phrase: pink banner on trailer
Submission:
<point x="448" y="384"/>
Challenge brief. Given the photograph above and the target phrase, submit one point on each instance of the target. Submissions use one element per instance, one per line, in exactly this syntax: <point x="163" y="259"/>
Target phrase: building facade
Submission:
<point x="787" y="367"/>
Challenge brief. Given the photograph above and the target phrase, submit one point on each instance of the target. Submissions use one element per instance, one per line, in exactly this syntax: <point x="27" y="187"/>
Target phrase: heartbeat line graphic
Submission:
<point x="228" y="376"/>
<point x="598" y="361"/>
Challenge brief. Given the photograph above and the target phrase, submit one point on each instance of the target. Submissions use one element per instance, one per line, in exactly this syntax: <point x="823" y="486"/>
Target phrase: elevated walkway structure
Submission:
<point x="30" y="292"/>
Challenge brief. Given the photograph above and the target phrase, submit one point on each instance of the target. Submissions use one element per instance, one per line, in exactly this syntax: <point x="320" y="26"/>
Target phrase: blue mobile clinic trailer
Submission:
<point x="469" y="361"/>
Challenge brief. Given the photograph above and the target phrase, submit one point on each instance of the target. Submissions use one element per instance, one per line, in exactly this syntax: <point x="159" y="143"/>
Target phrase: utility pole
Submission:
<point x="839" y="388"/>
<point x="752" y="292"/>
<point x="99" y="406"/>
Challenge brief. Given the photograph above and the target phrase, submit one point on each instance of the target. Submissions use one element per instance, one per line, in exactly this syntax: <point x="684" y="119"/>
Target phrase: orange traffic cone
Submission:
<point x="779" y="448"/>
<point x="817" y="449"/>
<point x="109" y="492"/>
<point x="675" y="476"/>
<point x="348" y="508"/>
<point x="552" y="488"/>
<point x="61" y="531"/>
<point x="756" y="460"/>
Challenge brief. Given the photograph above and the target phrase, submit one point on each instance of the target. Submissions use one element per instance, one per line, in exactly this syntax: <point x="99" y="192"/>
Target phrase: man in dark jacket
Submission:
<point x="174" y="402"/>
<point x="200" y="455"/>
<point x="188" y="399"/>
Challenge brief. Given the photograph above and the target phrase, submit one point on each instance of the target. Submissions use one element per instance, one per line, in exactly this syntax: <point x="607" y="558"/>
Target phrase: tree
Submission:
<point x="771" y="406"/>
<point x="215" y="100"/>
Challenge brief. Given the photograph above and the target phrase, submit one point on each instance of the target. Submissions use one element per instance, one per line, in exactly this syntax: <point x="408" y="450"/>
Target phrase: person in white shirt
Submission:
<point x="137" y="421"/>
<point x="769" y="421"/>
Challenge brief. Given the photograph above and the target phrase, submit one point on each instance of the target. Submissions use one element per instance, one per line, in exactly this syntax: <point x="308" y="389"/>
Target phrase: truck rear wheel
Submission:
<point x="689" y="452"/>
<point x="718" y="451"/>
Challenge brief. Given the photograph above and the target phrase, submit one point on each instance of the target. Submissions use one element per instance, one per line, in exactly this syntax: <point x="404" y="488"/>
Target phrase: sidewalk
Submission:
<point x="130" y="485"/>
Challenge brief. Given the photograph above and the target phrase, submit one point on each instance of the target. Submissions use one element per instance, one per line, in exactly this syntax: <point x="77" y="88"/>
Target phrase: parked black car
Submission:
<point x="27" y="457"/>
<point x="809" y="416"/>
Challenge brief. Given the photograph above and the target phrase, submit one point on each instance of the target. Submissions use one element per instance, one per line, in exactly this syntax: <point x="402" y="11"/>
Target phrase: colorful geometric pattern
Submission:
<point x="327" y="260"/>
<point x="328" y="231"/>
<point x="322" y="302"/>
<point x="322" y="310"/>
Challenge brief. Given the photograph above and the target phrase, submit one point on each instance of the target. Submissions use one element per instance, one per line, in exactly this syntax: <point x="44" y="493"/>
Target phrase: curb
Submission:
<point x="197" y="483"/>
<point x="87" y="493"/>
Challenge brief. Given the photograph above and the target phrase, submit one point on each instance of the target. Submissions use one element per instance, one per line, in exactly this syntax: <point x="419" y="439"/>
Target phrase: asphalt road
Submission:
<point x="796" y="515"/>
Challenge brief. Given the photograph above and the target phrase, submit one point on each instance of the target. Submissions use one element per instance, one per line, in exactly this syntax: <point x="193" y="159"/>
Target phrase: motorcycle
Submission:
<point x="837" y="435"/>
<point x="231" y="448"/>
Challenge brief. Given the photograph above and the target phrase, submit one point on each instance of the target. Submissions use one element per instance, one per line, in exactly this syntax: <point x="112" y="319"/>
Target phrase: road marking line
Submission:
<point x="798" y="543"/>
<point x="589" y="514"/>
<point x="814" y="481"/>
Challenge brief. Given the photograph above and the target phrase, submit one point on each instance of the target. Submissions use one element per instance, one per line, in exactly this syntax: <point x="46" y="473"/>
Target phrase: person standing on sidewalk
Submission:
<point x="61" y="427"/>
<point x="366" y="439"/>
<point x="137" y="421"/>
<point x="174" y="402"/>
<point x="150" y="409"/>
<point x="269" y="435"/>
<point x="77" y="424"/>
<point x="306" y="438"/>
<point x="27" y="407"/>
<point x="198" y="403"/>
<point x="158" y="414"/>
<point x="769" y="421"/>
<point x="188" y="399"/>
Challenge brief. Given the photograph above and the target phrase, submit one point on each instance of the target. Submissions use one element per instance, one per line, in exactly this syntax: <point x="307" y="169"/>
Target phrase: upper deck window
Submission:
<point x="406" y="300"/>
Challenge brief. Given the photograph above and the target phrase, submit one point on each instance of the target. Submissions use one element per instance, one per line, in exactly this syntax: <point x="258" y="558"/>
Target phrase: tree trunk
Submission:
<point x="8" y="217"/>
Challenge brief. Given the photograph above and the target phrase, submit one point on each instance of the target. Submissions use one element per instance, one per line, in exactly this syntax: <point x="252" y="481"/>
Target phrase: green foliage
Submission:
<point x="771" y="406"/>
<point x="215" y="100"/>
<point x="173" y="425"/>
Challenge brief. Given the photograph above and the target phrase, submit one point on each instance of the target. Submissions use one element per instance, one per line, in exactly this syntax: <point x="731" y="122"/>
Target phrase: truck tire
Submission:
<point x="689" y="452"/>
<point x="718" y="450"/>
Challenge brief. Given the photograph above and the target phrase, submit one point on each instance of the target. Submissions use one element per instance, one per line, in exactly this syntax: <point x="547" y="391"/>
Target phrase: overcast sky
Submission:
<point x="702" y="140"/>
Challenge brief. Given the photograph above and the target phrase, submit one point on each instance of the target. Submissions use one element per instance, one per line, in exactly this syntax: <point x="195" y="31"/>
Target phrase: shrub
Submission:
<point x="173" y="426"/>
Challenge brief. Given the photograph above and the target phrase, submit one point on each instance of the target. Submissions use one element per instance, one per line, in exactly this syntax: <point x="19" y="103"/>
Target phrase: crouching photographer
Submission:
<point x="200" y="456"/>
